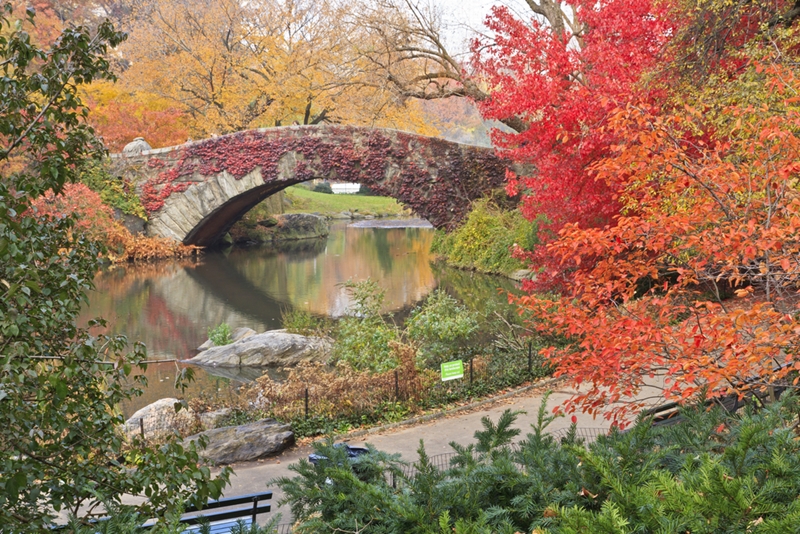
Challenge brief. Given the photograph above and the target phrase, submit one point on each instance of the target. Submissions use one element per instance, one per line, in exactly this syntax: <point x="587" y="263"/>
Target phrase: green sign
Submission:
<point x="452" y="370"/>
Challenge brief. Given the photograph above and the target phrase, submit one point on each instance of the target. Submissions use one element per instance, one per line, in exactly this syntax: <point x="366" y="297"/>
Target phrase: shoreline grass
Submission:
<point x="306" y="201"/>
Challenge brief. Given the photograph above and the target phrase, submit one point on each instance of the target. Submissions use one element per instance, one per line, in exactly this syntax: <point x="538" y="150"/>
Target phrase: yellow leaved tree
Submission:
<point x="232" y="65"/>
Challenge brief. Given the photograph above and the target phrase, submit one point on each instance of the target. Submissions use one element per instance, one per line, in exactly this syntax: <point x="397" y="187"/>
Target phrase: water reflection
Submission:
<point x="398" y="259"/>
<point x="171" y="306"/>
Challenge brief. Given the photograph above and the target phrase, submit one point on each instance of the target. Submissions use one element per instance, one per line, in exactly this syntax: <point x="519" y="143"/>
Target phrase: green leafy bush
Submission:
<point x="297" y="321"/>
<point x="365" y="344"/>
<point x="323" y="187"/>
<point x="220" y="335"/>
<point x="712" y="473"/>
<point x="363" y="339"/>
<point x="442" y="329"/>
<point x="114" y="191"/>
<point x="485" y="239"/>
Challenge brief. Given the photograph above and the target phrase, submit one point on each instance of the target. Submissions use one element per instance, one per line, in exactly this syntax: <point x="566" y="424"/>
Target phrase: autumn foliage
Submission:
<point x="680" y="218"/>
<point x="120" y="117"/>
<point x="564" y="85"/>
<point x="96" y="221"/>
<point x="697" y="285"/>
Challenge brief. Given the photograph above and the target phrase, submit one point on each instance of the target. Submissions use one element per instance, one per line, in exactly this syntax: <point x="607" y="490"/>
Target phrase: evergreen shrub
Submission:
<point x="713" y="472"/>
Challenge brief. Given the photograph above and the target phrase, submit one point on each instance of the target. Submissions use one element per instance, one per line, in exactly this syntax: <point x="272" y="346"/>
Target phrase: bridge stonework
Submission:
<point x="195" y="192"/>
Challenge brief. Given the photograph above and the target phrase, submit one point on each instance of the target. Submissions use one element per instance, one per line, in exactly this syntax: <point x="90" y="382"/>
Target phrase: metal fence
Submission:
<point x="371" y="396"/>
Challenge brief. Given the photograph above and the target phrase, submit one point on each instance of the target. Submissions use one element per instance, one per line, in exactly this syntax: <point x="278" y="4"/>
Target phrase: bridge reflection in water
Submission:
<point x="171" y="306"/>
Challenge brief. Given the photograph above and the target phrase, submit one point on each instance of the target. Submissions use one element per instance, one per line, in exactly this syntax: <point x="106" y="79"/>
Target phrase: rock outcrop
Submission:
<point x="245" y="443"/>
<point x="281" y="228"/>
<point x="160" y="420"/>
<point x="269" y="348"/>
<point x="300" y="226"/>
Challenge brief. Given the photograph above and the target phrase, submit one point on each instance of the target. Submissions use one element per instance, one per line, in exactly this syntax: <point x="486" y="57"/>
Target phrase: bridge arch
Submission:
<point x="195" y="192"/>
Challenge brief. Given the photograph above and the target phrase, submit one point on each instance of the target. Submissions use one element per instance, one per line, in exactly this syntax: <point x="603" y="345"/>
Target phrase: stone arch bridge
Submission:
<point x="195" y="192"/>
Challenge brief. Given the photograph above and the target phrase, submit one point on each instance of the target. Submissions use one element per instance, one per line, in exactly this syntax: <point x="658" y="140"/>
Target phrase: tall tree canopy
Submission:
<point x="691" y="286"/>
<point x="561" y="72"/>
<point x="236" y="65"/>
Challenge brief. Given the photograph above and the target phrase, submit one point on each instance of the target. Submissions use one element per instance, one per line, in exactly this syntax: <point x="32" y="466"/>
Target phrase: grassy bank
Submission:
<point x="305" y="201"/>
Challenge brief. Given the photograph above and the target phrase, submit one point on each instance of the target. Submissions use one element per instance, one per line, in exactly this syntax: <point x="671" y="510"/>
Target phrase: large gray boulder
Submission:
<point x="160" y="420"/>
<point x="236" y="335"/>
<point x="268" y="348"/>
<point x="211" y="420"/>
<point x="245" y="443"/>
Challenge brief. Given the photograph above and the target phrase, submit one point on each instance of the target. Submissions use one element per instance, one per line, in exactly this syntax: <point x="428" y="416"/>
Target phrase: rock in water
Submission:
<point x="300" y="226"/>
<point x="268" y="348"/>
<point x="239" y="333"/>
<point x="245" y="443"/>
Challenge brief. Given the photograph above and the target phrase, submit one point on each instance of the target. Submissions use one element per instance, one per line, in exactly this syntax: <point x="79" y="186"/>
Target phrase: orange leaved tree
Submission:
<point x="695" y="288"/>
<point x="93" y="218"/>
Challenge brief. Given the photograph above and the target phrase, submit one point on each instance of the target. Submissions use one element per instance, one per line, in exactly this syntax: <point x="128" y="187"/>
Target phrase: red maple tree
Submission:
<point x="564" y="85"/>
<point x="666" y="163"/>
<point x="695" y="289"/>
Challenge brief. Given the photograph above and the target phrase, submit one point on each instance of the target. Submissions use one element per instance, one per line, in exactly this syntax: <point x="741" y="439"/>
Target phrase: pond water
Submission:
<point x="171" y="305"/>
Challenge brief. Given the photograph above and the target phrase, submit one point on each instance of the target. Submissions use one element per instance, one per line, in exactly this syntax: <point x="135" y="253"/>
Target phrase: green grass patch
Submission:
<point x="305" y="201"/>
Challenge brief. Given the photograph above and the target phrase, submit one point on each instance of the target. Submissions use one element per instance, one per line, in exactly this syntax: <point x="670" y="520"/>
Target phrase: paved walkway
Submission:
<point x="437" y="434"/>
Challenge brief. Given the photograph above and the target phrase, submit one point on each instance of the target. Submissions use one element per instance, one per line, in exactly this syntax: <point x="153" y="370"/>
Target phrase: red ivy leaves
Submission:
<point x="434" y="178"/>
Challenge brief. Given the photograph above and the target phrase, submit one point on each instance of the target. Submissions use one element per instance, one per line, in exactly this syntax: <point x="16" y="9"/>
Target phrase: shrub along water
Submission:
<point x="383" y="373"/>
<point x="94" y="219"/>
<point x="486" y="239"/>
<point x="712" y="473"/>
<point x="441" y="328"/>
<point x="363" y="338"/>
<point x="220" y="335"/>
